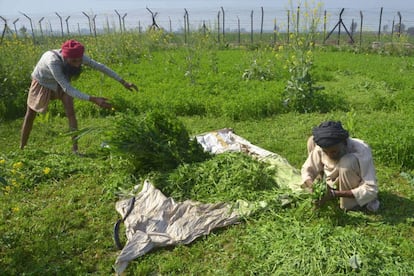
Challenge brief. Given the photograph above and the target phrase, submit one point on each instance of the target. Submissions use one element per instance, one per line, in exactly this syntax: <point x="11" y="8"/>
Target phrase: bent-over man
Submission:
<point x="345" y="163"/>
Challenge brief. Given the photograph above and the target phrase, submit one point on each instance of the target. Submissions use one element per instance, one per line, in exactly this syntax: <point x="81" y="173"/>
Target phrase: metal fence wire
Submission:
<point x="336" y="26"/>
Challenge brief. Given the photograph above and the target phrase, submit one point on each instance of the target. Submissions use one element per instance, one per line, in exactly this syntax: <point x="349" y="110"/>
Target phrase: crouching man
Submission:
<point x="345" y="163"/>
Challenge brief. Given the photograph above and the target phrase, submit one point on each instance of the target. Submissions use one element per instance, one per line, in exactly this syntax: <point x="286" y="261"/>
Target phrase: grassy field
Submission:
<point x="58" y="210"/>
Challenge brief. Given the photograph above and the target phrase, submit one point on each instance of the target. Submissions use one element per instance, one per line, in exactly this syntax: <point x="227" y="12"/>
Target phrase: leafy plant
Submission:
<point x="301" y="94"/>
<point x="155" y="141"/>
<point x="261" y="68"/>
<point x="224" y="177"/>
<point x="409" y="177"/>
<point x="319" y="189"/>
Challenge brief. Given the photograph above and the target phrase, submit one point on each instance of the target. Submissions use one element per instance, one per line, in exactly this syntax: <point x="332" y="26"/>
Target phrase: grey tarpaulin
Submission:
<point x="157" y="221"/>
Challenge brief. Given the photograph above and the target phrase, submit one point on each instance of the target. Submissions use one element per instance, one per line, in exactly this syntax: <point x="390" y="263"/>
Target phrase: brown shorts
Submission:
<point x="40" y="96"/>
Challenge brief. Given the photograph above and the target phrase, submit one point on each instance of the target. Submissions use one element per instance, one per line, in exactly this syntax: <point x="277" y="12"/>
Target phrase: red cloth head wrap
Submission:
<point x="72" y="49"/>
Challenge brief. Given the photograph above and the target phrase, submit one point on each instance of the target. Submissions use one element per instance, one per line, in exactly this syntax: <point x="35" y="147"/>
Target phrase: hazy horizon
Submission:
<point x="171" y="12"/>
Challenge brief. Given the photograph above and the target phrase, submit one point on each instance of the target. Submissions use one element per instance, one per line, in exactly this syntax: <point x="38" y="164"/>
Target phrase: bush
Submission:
<point x="155" y="141"/>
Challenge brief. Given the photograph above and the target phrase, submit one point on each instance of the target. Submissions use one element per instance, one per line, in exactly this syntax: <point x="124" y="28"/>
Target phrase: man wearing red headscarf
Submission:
<point x="51" y="80"/>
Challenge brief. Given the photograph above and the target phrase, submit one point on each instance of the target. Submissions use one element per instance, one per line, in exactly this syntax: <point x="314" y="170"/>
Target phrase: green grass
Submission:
<point x="60" y="222"/>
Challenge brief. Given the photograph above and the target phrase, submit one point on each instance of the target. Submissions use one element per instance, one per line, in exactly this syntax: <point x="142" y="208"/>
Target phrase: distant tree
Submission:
<point x="410" y="30"/>
<point x="23" y="31"/>
<point x="397" y="28"/>
<point x="354" y="26"/>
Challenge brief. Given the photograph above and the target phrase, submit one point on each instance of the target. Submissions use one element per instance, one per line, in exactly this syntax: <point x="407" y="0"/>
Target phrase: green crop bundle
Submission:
<point x="225" y="177"/>
<point x="156" y="141"/>
<point x="319" y="189"/>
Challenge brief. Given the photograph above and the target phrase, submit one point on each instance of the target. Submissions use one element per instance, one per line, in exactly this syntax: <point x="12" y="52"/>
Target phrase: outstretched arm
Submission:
<point x="109" y="72"/>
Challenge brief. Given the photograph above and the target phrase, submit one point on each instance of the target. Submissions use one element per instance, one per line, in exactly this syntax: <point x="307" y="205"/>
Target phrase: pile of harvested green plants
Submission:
<point x="158" y="147"/>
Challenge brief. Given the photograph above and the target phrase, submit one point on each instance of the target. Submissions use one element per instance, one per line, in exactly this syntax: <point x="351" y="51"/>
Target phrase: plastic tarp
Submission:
<point x="157" y="221"/>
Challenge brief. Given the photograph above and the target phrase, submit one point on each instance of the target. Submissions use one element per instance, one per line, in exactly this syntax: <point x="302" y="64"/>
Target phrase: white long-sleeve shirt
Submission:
<point x="318" y="162"/>
<point x="49" y="73"/>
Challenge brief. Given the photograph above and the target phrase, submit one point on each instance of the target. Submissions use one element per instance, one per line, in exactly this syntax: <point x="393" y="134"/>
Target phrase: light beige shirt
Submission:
<point x="49" y="73"/>
<point x="318" y="162"/>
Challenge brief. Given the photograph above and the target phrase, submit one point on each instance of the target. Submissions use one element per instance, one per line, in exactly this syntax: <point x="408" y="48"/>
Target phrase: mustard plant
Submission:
<point x="301" y="94"/>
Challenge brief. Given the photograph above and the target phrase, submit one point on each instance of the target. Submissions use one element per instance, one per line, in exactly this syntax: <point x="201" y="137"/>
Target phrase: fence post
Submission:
<point x="89" y="21"/>
<point x="14" y="24"/>
<point x="31" y="26"/>
<point x="123" y="21"/>
<point x="119" y="20"/>
<point x="238" y="30"/>
<point x="251" y="27"/>
<point x="399" y="24"/>
<point x="324" y="26"/>
<point x="186" y="25"/>
<point x="339" y="26"/>
<point x="94" y="25"/>
<point x="50" y="27"/>
<point x="288" y="26"/>
<point x="274" y="31"/>
<point x="218" y="27"/>
<point x="223" y="28"/>
<point x="261" y="24"/>
<point x="297" y="20"/>
<point x="204" y="28"/>
<point x="352" y="27"/>
<point x="40" y="26"/>
<point x="4" y="30"/>
<point x="61" y="23"/>
<point x="67" y="24"/>
<point x="360" y="28"/>
<point x="379" y="26"/>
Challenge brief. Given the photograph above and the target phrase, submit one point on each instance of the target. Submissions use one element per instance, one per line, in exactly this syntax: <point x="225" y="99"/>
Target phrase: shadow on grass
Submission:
<point x="394" y="208"/>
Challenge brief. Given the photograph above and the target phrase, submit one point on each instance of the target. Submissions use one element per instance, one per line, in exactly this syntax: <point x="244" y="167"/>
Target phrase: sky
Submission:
<point x="47" y="12"/>
<point x="9" y="7"/>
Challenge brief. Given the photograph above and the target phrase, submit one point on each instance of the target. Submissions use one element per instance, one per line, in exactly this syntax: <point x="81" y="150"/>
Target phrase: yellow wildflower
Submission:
<point x="2" y="161"/>
<point x="46" y="170"/>
<point x="15" y="209"/>
<point x="17" y="165"/>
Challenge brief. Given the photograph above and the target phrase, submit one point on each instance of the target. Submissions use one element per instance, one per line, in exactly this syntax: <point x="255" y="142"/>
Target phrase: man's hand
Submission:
<point x="101" y="102"/>
<point x="129" y="86"/>
<point x="307" y="186"/>
<point x="329" y="195"/>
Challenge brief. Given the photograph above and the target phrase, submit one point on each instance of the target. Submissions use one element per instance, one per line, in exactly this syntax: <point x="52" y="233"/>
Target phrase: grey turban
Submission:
<point x="329" y="133"/>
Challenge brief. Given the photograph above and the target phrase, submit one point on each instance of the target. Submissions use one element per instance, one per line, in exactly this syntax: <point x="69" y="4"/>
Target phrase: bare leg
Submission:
<point x="27" y="126"/>
<point x="70" y="113"/>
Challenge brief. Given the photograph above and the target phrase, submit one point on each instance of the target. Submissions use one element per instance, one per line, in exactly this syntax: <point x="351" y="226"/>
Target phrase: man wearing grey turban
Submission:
<point x="345" y="163"/>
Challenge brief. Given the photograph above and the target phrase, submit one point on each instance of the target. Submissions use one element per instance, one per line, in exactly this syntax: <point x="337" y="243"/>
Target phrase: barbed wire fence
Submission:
<point x="228" y="25"/>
